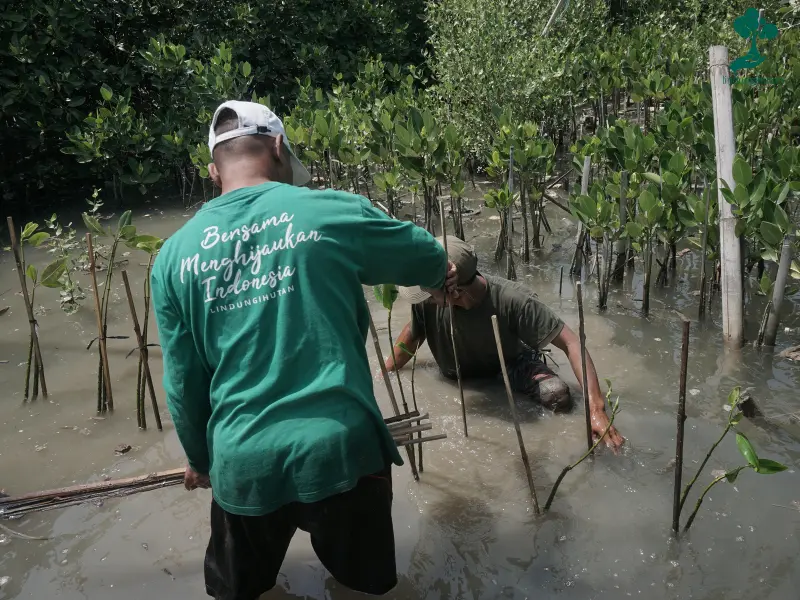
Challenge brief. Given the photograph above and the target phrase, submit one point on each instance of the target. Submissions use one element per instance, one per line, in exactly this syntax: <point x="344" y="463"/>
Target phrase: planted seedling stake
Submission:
<point x="453" y="333"/>
<point x="38" y="364"/>
<point x="676" y="505"/>
<point x="142" y="351"/>
<point x="614" y="410"/>
<point x="584" y="378"/>
<point x="510" y="395"/>
<point x="390" y="391"/>
<point x="106" y="375"/>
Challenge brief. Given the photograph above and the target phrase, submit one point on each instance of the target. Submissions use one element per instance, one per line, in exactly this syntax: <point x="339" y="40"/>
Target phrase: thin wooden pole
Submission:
<point x="703" y="250"/>
<point x="577" y="267"/>
<point x="453" y="333"/>
<point x="513" y="406"/>
<point x="584" y="378"/>
<point x="561" y="280"/>
<point x="101" y="334"/>
<point x="142" y="350"/>
<point x="730" y="248"/>
<point x="771" y="331"/>
<point x="676" y="500"/>
<point x="389" y="389"/>
<point x="15" y="249"/>
<point x="621" y="249"/>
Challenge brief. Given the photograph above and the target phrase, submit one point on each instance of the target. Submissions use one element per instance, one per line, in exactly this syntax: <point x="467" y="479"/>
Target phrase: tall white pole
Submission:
<point x="730" y="250"/>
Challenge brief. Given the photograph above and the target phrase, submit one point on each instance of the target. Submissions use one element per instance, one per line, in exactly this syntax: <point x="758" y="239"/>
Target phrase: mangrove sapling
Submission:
<point x="584" y="375"/>
<point x="386" y="294"/>
<point x="453" y="334"/>
<point x="143" y="358"/>
<point x="642" y="232"/>
<point x="413" y="356"/>
<point x="614" y="409"/>
<point x="502" y="201"/>
<point x="49" y="278"/>
<point x="125" y="233"/>
<point x="762" y="466"/>
<point x="676" y="503"/>
<point x="389" y="389"/>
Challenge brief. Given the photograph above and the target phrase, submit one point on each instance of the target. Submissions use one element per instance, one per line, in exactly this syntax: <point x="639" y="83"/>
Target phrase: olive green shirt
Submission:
<point x="522" y="319"/>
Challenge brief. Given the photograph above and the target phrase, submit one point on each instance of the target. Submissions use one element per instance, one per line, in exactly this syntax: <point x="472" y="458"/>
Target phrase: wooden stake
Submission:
<point x="142" y="350"/>
<point x="730" y="248"/>
<point x="779" y="289"/>
<point x="389" y="389"/>
<point x="453" y="334"/>
<point x="584" y="379"/>
<point x="621" y="249"/>
<point x="577" y="267"/>
<point x="15" y="249"/>
<point x="101" y="334"/>
<point x="513" y="406"/>
<point x="704" y="244"/>
<point x="561" y="281"/>
<point x="676" y="502"/>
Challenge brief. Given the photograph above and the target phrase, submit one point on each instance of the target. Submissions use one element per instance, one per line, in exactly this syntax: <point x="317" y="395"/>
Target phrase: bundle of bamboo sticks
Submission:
<point x="402" y="428"/>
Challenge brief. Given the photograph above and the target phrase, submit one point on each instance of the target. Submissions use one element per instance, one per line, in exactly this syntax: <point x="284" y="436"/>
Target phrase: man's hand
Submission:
<point x="599" y="420"/>
<point x="451" y="281"/>
<point x="193" y="480"/>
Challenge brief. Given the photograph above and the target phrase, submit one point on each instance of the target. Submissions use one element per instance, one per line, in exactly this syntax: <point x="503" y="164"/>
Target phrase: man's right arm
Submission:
<point x="398" y="252"/>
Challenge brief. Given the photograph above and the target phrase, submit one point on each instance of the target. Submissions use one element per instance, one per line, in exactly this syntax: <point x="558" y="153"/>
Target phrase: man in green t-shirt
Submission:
<point x="526" y="327"/>
<point x="262" y="322"/>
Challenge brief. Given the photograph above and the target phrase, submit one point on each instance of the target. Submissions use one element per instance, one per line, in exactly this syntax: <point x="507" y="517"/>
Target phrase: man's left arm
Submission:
<point x="186" y="382"/>
<point x="570" y="344"/>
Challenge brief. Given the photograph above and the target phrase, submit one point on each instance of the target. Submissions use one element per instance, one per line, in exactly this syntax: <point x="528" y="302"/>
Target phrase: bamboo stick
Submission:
<point x="584" y="379"/>
<point x="513" y="406"/>
<point x="704" y="244"/>
<point x="390" y="390"/>
<point x="730" y="248"/>
<point x="405" y="422"/>
<point x="15" y="249"/>
<point x="676" y="503"/>
<point x="422" y="440"/>
<point x="142" y="350"/>
<point x="779" y="289"/>
<point x="100" y="329"/>
<point x="453" y="333"/>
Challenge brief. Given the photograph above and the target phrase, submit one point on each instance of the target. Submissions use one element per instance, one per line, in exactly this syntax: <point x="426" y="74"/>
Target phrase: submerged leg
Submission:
<point x="528" y="374"/>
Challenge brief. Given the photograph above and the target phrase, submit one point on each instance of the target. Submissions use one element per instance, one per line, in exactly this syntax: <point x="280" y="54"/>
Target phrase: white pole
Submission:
<point x="730" y="250"/>
<point x="780" y="287"/>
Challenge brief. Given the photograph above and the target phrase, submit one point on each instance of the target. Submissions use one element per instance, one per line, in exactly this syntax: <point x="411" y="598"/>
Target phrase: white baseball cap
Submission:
<point x="257" y="119"/>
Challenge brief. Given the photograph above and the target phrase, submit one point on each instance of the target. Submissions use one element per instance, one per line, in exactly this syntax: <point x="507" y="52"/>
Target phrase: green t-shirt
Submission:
<point x="262" y="322"/>
<point x="521" y="318"/>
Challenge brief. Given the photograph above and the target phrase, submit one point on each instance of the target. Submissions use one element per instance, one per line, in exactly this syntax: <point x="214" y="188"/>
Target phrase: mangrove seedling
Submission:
<point x="125" y="233"/>
<point x="762" y="466"/>
<point x="413" y="356"/>
<point x="614" y="409"/>
<point x="502" y="201"/>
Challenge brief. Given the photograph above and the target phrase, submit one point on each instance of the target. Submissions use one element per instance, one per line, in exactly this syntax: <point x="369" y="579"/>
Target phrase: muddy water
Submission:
<point x="467" y="529"/>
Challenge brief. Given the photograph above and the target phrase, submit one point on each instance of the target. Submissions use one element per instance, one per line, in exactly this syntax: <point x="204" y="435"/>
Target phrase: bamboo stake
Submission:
<point x="142" y="350"/>
<point x="561" y="281"/>
<point x="513" y="406"/>
<point x="15" y="249"/>
<point x="453" y="334"/>
<point x="100" y="330"/>
<point x="730" y="249"/>
<point x="414" y="402"/>
<point x="707" y="194"/>
<point x="412" y="463"/>
<point x="584" y="379"/>
<point x="676" y="500"/>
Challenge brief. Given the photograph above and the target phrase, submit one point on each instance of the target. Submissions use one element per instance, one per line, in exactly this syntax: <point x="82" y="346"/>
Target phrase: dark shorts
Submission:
<point x="528" y="374"/>
<point x="351" y="534"/>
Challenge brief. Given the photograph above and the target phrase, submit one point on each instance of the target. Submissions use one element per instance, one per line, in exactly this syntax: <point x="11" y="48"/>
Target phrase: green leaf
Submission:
<point x="742" y="173"/>
<point x="124" y="220"/>
<point x="53" y="272"/>
<point x="28" y="230"/>
<point x="596" y="232"/>
<point x="246" y="69"/>
<point x="781" y="218"/>
<point x="93" y="225"/>
<point x="647" y="200"/>
<point x="386" y="294"/>
<point x="31" y="273"/>
<point x="106" y="92"/>
<point x="634" y="230"/>
<point x="677" y="163"/>
<point x="769" y="467"/>
<point x="733" y="397"/>
<point x="37" y="238"/>
<point x="771" y="233"/>
<point x="654" y="177"/>
<point x="731" y="476"/>
<point x="405" y="348"/>
<point x="747" y="450"/>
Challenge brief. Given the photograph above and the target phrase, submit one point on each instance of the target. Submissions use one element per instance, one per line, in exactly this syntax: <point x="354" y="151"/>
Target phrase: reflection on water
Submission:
<point x="467" y="529"/>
